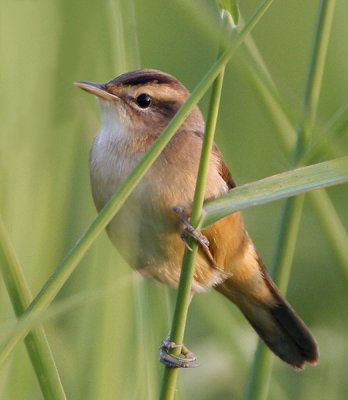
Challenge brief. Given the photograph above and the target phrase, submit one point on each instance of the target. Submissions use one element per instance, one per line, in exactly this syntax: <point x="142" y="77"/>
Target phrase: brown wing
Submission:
<point x="224" y="171"/>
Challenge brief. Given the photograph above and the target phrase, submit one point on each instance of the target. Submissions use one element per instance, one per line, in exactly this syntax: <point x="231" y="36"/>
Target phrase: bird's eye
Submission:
<point x="144" y="100"/>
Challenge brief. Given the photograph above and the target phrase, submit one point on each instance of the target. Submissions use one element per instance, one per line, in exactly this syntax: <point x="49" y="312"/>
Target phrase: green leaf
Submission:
<point x="36" y="342"/>
<point x="276" y="187"/>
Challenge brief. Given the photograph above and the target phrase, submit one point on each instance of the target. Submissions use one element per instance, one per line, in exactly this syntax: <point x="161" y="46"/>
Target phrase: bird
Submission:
<point x="135" y="108"/>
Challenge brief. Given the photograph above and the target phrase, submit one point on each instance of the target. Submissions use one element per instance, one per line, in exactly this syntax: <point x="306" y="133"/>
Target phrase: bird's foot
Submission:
<point x="186" y="359"/>
<point x="187" y="230"/>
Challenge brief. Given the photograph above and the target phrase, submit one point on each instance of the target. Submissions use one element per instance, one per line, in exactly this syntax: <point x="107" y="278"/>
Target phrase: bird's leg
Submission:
<point x="186" y="359"/>
<point x="186" y="229"/>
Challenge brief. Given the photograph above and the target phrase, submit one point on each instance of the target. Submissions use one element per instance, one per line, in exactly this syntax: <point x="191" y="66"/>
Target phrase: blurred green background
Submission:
<point x="106" y="324"/>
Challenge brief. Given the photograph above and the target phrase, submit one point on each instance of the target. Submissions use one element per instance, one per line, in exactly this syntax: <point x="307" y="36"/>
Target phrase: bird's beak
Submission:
<point x="98" y="89"/>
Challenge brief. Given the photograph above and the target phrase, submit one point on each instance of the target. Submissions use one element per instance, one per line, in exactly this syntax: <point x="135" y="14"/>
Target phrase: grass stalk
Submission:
<point x="315" y="76"/>
<point x="293" y="207"/>
<point x="333" y="128"/>
<point x="36" y="342"/>
<point x="276" y="187"/>
<point x="65" y="269"/>
<point x="188" y="264"/>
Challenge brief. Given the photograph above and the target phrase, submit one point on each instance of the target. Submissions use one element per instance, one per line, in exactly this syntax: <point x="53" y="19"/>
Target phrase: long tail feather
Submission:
<point x="276" y="322"/>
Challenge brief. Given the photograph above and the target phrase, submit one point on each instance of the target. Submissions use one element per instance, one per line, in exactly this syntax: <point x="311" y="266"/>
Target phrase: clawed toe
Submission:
<point x="188" y="230"/>
<point x="186" y="359"/>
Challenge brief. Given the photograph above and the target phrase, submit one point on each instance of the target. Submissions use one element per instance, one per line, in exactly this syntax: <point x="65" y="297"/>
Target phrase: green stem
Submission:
<point x="65" y="269"/>
<point x="293" y="207"/>
<point x="334" y="127"/>
<point x="188" y="264"/>
<point x="315" y="76"/>
<point x="36" y="342"/>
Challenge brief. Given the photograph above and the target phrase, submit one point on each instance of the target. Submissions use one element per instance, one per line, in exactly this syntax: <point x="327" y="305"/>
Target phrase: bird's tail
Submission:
<point x="275" y="321"/>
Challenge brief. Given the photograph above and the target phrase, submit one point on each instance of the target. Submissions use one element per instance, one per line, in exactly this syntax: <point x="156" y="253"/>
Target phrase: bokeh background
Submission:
<point x="106" y="324"/>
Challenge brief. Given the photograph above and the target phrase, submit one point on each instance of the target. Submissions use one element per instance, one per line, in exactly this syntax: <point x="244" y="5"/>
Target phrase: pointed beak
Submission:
<point x="98" y="89"/>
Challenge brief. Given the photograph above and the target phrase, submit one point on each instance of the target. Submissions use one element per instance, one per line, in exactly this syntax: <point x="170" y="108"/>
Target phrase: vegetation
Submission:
<point x="284" y="105"/>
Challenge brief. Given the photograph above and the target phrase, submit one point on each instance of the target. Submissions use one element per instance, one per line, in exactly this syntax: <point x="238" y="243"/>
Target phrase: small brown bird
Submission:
<point x="136" y="107"/>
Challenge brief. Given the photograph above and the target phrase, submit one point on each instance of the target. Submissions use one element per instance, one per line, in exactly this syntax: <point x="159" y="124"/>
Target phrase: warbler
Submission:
<point x="135" y="108"/>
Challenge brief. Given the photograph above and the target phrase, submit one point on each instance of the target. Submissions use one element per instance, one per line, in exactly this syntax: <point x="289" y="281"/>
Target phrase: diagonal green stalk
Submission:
<point x="270" y="99"/>
<point x="334" y="127"/>
<point x="63" y="271"/>
<point x="276" y="187"/>
<point x="293" y="207"/>
<point x="66" y="268"/>
<point x="36" y="342"/>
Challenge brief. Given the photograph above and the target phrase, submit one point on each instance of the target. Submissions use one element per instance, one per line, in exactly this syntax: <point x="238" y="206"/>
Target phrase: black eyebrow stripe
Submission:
<point x="141" y="77"/>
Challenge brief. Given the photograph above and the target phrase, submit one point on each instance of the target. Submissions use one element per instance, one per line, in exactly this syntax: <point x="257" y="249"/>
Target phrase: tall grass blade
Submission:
<point x="36" y="342"/>
<point x="276" y="187"/>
